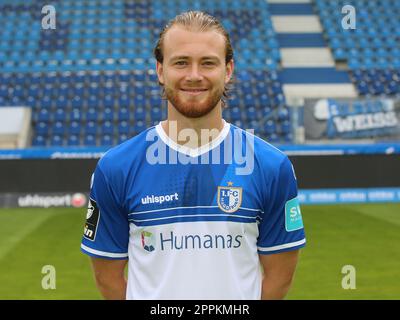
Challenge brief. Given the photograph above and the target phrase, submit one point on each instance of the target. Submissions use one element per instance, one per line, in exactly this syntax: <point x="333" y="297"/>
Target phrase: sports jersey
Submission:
<point x="192" y="222"/>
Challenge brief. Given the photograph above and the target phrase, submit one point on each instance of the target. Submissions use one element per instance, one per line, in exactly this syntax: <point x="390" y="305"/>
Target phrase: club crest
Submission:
<point x="229" y="198"/>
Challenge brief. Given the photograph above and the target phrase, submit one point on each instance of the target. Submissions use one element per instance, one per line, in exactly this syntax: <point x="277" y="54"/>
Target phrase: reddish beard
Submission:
<point x="193" y="109"/>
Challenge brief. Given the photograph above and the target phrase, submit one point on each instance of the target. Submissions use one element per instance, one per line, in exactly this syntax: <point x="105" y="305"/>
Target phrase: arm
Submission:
<point x="278" y="274"/>
<point x="110" y="278"/>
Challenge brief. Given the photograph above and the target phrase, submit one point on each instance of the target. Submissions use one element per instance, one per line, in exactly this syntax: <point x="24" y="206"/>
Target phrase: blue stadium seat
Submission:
<point x="89" y="140"/>
<point x="283" y="114"/>
<point x="233" y="102"/>
<point x="39" y="141"/>
<point x="56" y="140"/>
<point x="122" y="138"/>
<point x="91" y="114"/>
<point x="238" y="123"/>
<point x="75" y="115"/>
<point x="251" y="114"/>
<point x="393" y="87"/>
<point x="106" y="140"/>
<point x="286" y="127"/>
<point x="109" y="101"/>
<point x="73" y="141"/>
<point x="107" y="128"/>
<point x="362" y="88"/>
<point x="59" y="128"/>
<point x="156" y="114"/>
<point x="42" y="129"/>
<point x="139" y="126"/>
<point x="123" y="114"/>
<point x="108" y="114"/>
<point x="273" y="138"/>
<point x="60" y="115"/>
<point x="43" y="115"/>
<point x="74" y="128"/>
<point x="123" y="127"/>
<point x="124" y="101"/>
<point x="236" y="114"/>
<point x="46" y="102"/>
<point x="269" y="127"/>
<point x="139" y="114"/>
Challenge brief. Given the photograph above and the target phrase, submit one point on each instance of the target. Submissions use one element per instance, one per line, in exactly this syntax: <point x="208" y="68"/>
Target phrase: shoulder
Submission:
<point x="266" y="155"/>
<point x="126" y="154"/>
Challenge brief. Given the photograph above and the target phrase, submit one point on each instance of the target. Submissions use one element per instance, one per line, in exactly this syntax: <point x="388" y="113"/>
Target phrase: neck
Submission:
<point x="193" y="132"/>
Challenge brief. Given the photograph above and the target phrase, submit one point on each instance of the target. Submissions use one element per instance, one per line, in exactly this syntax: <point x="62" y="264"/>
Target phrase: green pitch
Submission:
<point x="364" y="236"/>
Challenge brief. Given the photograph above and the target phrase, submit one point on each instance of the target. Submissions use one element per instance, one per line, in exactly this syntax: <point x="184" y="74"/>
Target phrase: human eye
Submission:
<point x="209" y="63"/>
<point x="180" y="63"/>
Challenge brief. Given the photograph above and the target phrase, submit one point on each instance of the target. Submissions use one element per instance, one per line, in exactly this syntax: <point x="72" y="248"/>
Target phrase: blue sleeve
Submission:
<point x="106" y="232"/>
<point x="281" y="227"/>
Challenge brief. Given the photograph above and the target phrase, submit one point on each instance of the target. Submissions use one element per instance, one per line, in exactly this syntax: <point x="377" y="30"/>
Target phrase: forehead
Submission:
<point x="180" y="41"/>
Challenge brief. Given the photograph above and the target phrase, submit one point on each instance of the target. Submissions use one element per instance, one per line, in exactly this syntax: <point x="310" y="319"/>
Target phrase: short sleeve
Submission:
<point x="281" y="227"/>
<point x="106" y="231"/>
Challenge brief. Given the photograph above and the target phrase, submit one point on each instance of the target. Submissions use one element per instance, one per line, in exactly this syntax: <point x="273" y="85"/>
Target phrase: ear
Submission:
<point x="159" y="69"/>
<point x="230" y="66"/>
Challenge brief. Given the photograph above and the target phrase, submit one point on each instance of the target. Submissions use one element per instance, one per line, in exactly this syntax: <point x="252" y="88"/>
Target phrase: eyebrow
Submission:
<point x="188" y="57"/>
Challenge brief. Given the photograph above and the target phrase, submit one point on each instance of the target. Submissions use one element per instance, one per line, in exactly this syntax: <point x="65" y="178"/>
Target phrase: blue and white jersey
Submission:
<point x="192" y="222"/>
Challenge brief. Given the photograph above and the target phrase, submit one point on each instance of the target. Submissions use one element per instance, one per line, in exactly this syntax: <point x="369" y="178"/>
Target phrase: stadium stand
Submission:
<point x="94" y="75"/>
<point x="91" y="81"/>
<point x="372" y="49"/>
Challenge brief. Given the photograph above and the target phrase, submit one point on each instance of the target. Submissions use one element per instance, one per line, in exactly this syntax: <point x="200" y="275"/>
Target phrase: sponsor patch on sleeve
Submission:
<point x="92" y="220"/>
<point x="293" y="219"/>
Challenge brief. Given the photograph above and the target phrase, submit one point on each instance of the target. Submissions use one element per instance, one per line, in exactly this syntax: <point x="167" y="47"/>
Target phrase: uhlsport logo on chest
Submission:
<point x="229" y="198"/>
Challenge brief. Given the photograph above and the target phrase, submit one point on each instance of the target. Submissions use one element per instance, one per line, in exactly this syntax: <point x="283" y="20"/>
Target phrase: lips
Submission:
<point x="193" y="91"/>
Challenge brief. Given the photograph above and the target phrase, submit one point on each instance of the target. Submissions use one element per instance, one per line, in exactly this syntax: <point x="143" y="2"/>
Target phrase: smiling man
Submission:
<point x="191" y="230"/>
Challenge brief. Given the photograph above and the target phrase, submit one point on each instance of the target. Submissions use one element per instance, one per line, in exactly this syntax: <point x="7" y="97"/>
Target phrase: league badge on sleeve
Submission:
<point x="92" y="220"/>
<point x="293" y="219"/>
<point x="229" y="198"/>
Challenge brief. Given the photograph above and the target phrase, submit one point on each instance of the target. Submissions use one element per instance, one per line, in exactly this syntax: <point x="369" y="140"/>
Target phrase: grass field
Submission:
<point x="365" y="236"/>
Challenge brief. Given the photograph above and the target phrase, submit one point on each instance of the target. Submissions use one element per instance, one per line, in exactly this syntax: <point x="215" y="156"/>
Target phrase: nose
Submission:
<point x="194" y="73"/>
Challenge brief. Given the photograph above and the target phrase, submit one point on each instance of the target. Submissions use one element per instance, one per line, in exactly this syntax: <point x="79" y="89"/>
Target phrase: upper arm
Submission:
<point x="108" y="269"/>
<point x="280" y="265"/>
<point x="106" y="233"/>
<point x="281" y="226"/>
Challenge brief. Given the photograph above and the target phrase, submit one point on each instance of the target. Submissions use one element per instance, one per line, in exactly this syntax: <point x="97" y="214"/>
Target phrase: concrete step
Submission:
<point x="306" y="57"/>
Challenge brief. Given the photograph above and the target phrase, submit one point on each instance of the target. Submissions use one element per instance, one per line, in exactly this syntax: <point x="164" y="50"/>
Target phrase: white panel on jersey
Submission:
<point x="296" y="24"/>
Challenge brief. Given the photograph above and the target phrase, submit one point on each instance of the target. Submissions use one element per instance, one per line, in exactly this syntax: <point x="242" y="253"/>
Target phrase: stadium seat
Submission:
<point x="89" y="140"/>
<point x="73" y="140"/>
<point x="39" y="141"/>
<point x="97" y="67"/>
<point x="107" y="140"/>
<point x="74" y="128"/>
<point x="56" y="140"/>
<point x="107" y="128"/>
<point x="270" y="127"/>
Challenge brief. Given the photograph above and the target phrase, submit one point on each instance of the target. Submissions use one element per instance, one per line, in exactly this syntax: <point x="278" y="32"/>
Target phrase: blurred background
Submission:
<point x="318" y="79"/>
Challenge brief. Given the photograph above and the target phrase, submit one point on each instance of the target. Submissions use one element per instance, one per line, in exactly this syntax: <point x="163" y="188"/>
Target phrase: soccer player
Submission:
<point x="179" y="203"/>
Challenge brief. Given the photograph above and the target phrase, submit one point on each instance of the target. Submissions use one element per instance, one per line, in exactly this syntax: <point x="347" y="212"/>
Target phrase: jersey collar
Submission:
<point x="193" y="152"/>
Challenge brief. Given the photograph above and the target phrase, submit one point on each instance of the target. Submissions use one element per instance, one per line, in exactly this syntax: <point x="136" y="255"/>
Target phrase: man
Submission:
<point x="190" y="220"/>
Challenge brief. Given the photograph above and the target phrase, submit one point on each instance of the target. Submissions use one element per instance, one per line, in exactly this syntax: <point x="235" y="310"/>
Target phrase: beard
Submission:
<point x="192" y="108"/>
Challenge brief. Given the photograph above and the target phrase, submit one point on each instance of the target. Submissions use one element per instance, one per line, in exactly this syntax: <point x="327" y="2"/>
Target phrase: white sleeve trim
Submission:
<point x="104" y="254"/>
<point x="283" y="246"/>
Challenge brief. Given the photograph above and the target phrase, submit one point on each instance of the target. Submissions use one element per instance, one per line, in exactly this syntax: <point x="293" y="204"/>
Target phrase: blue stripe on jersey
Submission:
<point x="195" y="218"/>
<point x="196" y="210"/>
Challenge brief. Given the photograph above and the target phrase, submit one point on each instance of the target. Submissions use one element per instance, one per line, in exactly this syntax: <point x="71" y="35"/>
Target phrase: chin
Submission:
<point x="194" y="111"/>
<point x="191" y="109"/>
